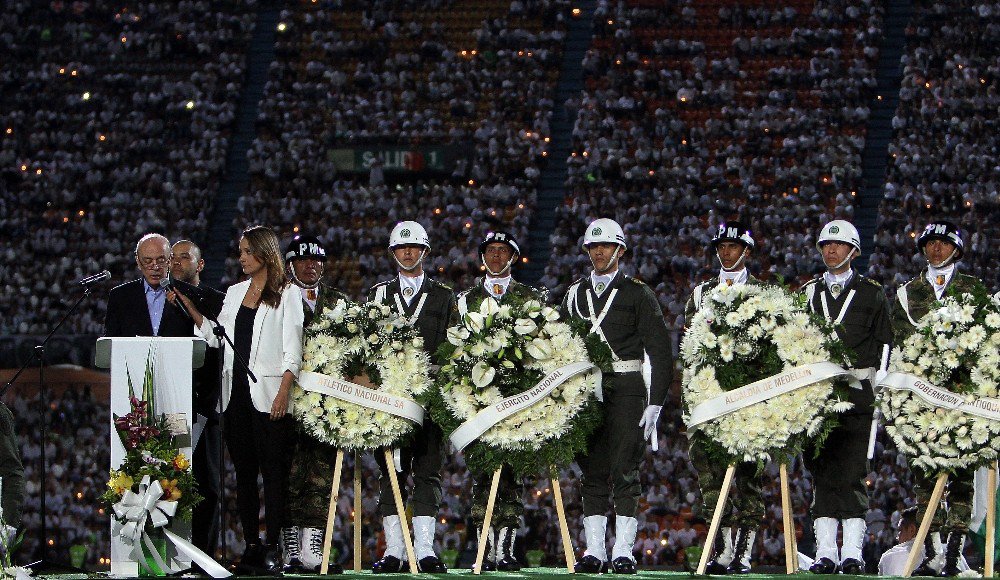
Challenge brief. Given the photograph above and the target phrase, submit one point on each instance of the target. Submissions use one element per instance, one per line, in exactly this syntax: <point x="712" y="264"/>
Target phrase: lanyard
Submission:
<point x="596" y="321"/>
<point x="843" y="309"/>
<point x="410" y="320"/>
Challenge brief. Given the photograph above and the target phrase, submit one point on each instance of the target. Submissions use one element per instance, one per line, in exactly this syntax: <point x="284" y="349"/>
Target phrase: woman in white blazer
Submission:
<point x="263" y="315"/>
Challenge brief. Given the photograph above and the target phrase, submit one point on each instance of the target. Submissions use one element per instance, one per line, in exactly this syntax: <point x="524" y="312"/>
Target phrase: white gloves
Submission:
<point x="648" y="425"/>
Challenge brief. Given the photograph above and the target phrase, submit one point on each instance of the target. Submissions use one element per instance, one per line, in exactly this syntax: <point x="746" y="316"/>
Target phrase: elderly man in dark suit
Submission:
<point x="140" y="307"/>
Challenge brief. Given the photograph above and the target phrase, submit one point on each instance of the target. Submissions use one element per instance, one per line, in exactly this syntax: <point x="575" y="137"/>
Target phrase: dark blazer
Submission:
<point x="128" y="314"/>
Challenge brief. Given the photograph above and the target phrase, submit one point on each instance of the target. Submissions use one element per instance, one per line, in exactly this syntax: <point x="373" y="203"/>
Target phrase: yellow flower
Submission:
<point x="181" y="463"/>
<point x="170" y="490"/>
<point x="120" y="482"/>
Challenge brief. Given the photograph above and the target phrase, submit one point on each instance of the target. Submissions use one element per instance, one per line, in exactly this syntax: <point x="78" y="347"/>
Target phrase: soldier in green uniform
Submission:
<point x="942" y="245"/>
<point x="733" y="244"/>
<point x="625" y="314"/>
<point x="498" y="252"/>
<point x="312" y="468"/>
<point x="429" y="306"/>
<point x="858" y="308"/>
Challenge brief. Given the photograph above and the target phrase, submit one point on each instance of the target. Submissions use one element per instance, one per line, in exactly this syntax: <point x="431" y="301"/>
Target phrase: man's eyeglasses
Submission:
<point x="150" y="262"/>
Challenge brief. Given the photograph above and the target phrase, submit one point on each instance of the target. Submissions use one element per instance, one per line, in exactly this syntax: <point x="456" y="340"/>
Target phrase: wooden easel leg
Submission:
<point x="487" y="521"/>
<point x="331" y="513"/>
<point x="713" y="528"/>
<point x="357" y="512"/>
<point x="991" y="520"/>
<point x="791" y="557"/>
<point x="390" y="466"/>
<point x="925" y="524"/>
<point x="563" y="526"/>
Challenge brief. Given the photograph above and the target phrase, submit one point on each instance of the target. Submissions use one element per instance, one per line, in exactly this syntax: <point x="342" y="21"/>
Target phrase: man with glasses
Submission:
<point x="140" y="307"/>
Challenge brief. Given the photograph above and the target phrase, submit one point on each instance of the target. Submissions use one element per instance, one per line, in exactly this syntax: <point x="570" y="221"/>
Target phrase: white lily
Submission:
<point x="476" y="321"/>
<point x="482" y="375"/>
<point x="524" y="326"/>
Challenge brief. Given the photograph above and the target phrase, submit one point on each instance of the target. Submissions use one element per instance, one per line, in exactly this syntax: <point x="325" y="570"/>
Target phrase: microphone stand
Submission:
<point x="220" y="332"/>
<point x="43" y="566"/>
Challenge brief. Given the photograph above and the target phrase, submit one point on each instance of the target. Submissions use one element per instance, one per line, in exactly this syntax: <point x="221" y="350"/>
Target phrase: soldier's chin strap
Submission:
<point x="844" y="261"/>
<point x="611" y="263"/>
<point x="300" y="283"/>
<point x="499" y="274"/>
<point x="415" y="264"/>
<point x="946" y="262"/>
<point x="739" y="263"/>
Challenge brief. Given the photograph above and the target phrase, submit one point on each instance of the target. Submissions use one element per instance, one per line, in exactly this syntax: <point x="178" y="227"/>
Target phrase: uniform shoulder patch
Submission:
<point x="634" y="280"/>
<point x="378" y="285"/>
<point x="813" y="281"/>
<point x="872" y="282"/>
<point x="441" y="284"/>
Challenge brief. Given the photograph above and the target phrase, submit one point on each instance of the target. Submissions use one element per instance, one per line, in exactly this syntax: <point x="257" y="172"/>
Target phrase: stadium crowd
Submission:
<point x="690" y="109"/>
<point x="115" y="122"/>
<point x="943" y="153"/>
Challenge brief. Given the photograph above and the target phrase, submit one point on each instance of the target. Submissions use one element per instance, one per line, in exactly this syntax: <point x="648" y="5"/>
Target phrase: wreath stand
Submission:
<point x="332" y="512"/>
<point x="932" y="507"/>
<point x="791" y="551"/>
<point x="560" y="509"/>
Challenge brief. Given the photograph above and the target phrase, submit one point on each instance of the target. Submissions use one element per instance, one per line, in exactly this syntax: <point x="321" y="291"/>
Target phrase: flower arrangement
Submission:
<point x="497" y="351"/>
<point x="10" y="541"/>
<point x="955" y="347"/>
<point x="745" y="333"/>
<point x="152" y="452"/>
<point x="369" y="343"/>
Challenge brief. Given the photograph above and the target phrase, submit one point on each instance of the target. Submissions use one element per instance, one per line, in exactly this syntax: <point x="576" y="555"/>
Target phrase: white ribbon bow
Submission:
<point x="136" y="509"/>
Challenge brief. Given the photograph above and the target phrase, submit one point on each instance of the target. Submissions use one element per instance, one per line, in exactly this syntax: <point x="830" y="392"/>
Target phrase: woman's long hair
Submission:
<point x="264" y="246"/>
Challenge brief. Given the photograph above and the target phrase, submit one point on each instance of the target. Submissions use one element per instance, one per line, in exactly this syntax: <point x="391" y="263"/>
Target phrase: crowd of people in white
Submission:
<point x="116" y="122"/>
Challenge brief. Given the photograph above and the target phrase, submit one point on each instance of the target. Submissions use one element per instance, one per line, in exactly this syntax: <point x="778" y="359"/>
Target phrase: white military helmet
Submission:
<point x="839" y="231"/>
<point x="409" y="233"/>
<point x="604" y="230"/>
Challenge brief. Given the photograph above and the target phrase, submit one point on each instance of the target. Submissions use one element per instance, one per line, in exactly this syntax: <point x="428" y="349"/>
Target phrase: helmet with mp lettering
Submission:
<point x="499" y="238"/>
<point x="409" y="233"/>
<point x="304" y="246"/>
<point x="733" y="231"/>
<point x="604" y="231"/>
<point x="942" y="230"/>
<point x="839" y="231"/>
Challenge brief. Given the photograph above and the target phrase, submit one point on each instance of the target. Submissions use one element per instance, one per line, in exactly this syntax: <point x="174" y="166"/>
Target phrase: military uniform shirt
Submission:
<point x="916" y="298"/>
<point x="634" y="324"/>
<point x="435" y="312"/>
<point x="864" y="327"/>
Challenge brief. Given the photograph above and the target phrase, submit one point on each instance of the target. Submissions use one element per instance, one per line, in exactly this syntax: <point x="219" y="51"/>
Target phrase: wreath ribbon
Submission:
<point x="135" y="510"/>
<point x="486" y="418"/>
<point x="362" y="396"/>
<point x="774" y="386"/>
<point x="985" y="407"/>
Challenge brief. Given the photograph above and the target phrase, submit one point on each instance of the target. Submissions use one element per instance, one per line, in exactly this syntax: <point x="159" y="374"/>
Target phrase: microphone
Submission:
<point x="168" y="285"/>
<point x="90" y="280"/>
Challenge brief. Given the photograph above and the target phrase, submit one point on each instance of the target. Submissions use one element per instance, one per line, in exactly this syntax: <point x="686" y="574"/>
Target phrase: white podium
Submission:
<point x="173" y="360"/>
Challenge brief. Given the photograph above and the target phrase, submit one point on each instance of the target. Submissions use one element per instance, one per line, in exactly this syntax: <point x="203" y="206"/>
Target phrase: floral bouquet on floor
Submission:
<point x="518" y="386"/>
<point x="757" y="379"/>
<point x="941" y="400"/>
<point x="153" y="484"/>
<point x="363" y="372"/>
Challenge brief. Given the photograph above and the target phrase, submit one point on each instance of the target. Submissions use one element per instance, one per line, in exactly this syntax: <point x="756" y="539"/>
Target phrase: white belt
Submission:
<point x="626" y="366"/>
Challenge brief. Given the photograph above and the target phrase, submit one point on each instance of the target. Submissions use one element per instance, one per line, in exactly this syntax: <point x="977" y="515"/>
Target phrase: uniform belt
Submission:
<point x="626" y="366"/>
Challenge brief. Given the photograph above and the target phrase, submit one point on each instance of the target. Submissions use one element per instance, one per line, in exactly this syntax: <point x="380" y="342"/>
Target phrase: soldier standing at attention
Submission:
<point x="733" y="244"/>
<point x="858" y="308"/>
<point x="498" y="252"/>
<point x="428" y="306"/>
<point x="942" y="245"/>
<point x="312" y="468"/>
<point x="625" y="314"/>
